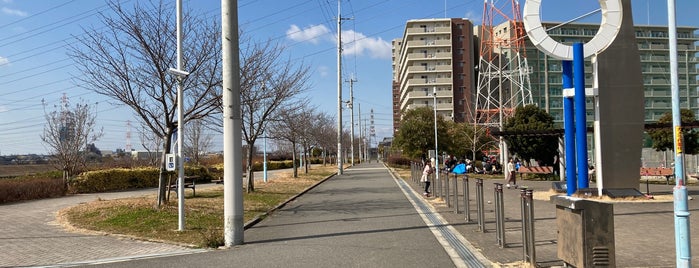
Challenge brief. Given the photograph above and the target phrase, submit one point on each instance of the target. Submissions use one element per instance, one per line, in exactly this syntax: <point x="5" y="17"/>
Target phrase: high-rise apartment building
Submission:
<point x="434" y="55"/>
<point x="546" y="75"/>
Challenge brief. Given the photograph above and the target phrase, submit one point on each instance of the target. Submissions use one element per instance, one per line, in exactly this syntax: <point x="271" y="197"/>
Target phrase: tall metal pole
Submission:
<point x="232" y="121"/>
<point x="180" y="123"/>
<point x="351" y="106"/>
<point x="580" y="114"/>
<point x="361" y="137"/>
<point x="683" y="246"/>
<point x="436" y="150"/>
<point x="264" y="159"/>
<point x="339" y="90"/>
<point x="569" y="127"/>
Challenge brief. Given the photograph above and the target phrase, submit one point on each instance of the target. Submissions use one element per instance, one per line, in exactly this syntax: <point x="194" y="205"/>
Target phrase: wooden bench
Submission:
<point x="546" y="170"/>
<point x="658" y="171"/>
<point x="189" y="182"/>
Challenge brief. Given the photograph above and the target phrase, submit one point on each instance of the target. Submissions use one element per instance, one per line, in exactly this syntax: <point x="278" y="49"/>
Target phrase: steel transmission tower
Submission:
<point x="503" y="72"/>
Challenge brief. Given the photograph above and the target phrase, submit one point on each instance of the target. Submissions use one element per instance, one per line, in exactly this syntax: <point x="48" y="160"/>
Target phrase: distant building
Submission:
<point x="434" y="54"/>
<point x="441" y="54"/>
<point x="144" y="155"/>
<point x="546" y="78"/>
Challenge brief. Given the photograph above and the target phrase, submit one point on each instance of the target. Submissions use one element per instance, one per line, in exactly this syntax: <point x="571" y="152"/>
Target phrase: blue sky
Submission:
<point x="34" y="65"/>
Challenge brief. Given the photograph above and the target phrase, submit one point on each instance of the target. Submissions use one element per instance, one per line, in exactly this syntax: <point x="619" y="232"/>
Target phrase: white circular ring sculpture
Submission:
<point x="611" y="23"/>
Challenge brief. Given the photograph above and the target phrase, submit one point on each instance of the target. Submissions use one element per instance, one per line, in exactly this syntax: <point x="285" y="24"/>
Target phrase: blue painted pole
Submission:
<point x="580" y="115"/>
<point x="683" y="245"/>
<point x="569" y="127"/>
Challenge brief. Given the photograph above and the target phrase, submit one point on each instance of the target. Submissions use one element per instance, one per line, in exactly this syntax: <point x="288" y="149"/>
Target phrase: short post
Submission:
<point x="446" y="190"/>
<point x="438" y="183"/>
<point x="499" y="216"/>
<point x="467" y="208"/>
<point x="412" y="171"/>
<point x="479" y="204"/>
<point x="525" y="233"/>
<point x="530" y="227"/>
<point x="456" y="194"/>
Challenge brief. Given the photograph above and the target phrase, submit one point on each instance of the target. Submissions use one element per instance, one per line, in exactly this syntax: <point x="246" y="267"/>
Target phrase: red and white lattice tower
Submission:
<point x="128" y="136"/>
<point x="503" y="72"/>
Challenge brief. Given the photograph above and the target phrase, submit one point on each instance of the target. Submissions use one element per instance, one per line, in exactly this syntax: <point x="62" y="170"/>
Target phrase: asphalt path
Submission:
<point x="362" y="218"/>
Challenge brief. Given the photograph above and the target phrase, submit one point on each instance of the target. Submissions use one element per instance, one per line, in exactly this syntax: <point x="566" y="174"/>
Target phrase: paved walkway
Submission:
<point x="29" y="235"/>
<point x="644" y="232"/>
<point x="363" y="218"/>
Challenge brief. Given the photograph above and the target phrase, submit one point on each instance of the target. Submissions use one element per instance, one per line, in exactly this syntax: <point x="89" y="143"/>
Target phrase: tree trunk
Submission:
<point x="251" y="174"/>
<point x="162" y="179"/>
<point x="293" y="160"/>
<point x="305" y="159"/>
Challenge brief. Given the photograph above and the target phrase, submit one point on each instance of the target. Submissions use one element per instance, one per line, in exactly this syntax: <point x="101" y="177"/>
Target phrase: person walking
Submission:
<point x="425" y="177"/>
<point x="511" y="174"/>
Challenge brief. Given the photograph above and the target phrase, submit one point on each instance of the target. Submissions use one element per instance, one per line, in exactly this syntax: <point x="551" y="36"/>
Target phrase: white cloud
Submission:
<point x="309" y="34"/>
<point x="358" y="43"/>
<point x="14" y="12"/>
<point x="3" y="109"/>
<point x="323" y="70"/>
<point x="4" y="61"/>
<point x="473" y="16"/>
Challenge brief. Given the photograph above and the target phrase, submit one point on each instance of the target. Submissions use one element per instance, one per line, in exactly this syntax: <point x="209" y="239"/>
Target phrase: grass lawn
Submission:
<point x="137" y="217"/>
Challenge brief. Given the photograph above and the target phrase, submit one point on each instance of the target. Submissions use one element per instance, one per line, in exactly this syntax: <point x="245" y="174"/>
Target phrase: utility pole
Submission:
<point x="339" y="90"/>
<point x="351" y="106"/>
<point x="361" y="138"/>
<point x="232" y="121"/>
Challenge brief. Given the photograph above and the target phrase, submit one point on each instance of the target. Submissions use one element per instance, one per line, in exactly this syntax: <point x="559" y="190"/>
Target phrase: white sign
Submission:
<point x="170" y="162"/>
<point x="611" y="23"/>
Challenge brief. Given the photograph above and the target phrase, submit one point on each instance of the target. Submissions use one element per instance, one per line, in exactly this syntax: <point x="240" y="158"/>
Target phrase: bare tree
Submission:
<point x="67" y="133"/>
<point x="151" y="143"/>
<point x="291" y="126"/>
<point x="268" y="82"/>
<point x="198" y="140"/>
<point x="324" y="133"/>
<point x="128" y="61"/>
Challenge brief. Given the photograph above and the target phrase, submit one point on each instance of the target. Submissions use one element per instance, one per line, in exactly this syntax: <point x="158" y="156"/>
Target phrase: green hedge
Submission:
<point x="271" y="165"/>
<point x="123" y="179"/>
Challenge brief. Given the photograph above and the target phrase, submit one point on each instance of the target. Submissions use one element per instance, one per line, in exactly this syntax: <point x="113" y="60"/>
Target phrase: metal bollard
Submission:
<point x="467" y="208"/>
<point x="446" y="190"/>
<point x="530" y="227"/>
<point x="479" y="205"/>
<point x="525" y="233"/>
<point x="413" y="165"/>
<point x="456" y="194"/>
<point x="499" y="216"/>
<point x="439" y="185"/>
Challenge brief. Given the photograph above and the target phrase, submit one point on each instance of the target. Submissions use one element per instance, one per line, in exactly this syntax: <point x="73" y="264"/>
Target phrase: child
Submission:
<point x="426" y="172"/>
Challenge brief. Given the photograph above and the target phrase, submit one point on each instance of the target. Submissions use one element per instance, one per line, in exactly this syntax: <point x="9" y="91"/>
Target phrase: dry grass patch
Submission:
<point x="136" y="217"/>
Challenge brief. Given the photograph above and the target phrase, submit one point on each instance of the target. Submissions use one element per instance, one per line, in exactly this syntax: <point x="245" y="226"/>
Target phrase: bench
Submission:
<point x="189" y="182"/>
<point x="546" y="170"/>
<point x="658" y="171"/>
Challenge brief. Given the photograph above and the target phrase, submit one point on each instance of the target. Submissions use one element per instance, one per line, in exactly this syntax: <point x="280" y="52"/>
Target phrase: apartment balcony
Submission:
<point x="436" y="68"/>
<point x="656" y="82"/>
<point x="427" y="30"/>
<point x="429" y="43"/>
<point x="440" y="106"/>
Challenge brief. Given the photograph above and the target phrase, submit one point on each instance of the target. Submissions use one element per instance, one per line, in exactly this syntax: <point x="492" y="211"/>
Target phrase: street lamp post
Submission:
<point x="264" y="159"/>
<point x="436" y="151"/>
